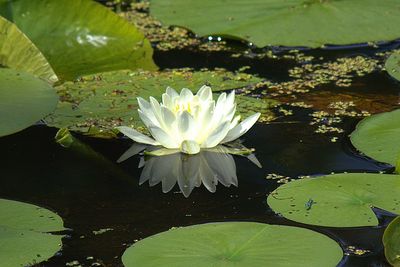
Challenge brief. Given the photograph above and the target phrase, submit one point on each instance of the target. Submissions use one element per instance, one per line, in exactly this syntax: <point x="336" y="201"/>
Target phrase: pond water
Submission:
<point x="106" y="210"/>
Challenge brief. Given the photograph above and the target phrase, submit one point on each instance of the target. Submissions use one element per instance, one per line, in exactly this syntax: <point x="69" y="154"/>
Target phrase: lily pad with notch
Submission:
<point x="308" y="23"/>
<point x="24" y="233"/>
<point x="234" y="244"/>
<point x="25" y="99"/>
<point x="378" y="137"/>
<point x="338" y="200"/>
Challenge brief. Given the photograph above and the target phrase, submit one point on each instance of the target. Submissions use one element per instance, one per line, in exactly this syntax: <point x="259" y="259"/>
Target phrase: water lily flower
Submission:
<point x="190" y="122"/>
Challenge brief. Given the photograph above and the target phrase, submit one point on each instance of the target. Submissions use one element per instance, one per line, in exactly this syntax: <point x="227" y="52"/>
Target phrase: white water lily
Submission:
<point x="190" y="122"/>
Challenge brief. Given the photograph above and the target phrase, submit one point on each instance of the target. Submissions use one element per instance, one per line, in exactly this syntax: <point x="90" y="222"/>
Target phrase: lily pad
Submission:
<point x="79" y="37"/>
<point x="378" y="137"/>
<point x="24" y="237"/>
<point x="24" y="99"/>
<point x="391" y="241"/>
<point x="234" y="244"/>
<point x="288" y="23"/>
<point x="96" y="104"/>
<point x="392" y="65"/>
<point x="338" y="200"/>
<point x="18" y="52"/>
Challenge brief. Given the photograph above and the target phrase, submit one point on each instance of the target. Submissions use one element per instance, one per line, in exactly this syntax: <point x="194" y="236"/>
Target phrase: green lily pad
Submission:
<point x="24" y="99"/>
<point x="338" y="200"/>
<point x="378" y="136"/>
<point x="391" y="241"/>
<point x="79" y="37"/>
<point x="234" y="244"/>
<point x="392" y="65"/>
<point x="24" y="237"/>
<point x="18" y="52"/>
<point x="309" y="23"/>
<point x="95" y="105"/>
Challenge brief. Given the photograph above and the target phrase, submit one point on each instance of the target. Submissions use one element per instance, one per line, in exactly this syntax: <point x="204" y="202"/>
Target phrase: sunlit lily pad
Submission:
<point x="96" y="104"/>
<point x="234" y="244"/>
<point x="24" y="99"/>
<point x="288" y="23"/>
<point x="391" y="241"/>
<point x="392" y="65"/>
<point x="378" y="137"/>
<point x="24" y="237"/>
<point x="79" y="37"/>
<point x="18" y="52"/>
<point x="338" y="200"/>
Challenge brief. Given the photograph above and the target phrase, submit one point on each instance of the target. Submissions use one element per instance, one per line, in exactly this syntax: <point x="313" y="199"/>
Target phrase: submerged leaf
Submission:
<point x="338" y="200"/>
<point x="79" y="37"/>
<point x="246" y="244"/>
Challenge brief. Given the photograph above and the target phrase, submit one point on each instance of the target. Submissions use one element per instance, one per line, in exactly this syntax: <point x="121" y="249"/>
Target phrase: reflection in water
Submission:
<point x="209" y="167"/>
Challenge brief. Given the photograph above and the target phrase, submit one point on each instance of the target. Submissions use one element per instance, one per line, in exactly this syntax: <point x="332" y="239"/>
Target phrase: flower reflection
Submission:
<point x="209" y="167"/>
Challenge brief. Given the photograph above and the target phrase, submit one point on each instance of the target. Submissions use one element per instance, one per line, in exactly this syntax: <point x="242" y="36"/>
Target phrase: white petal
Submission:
<point x="163" y="138"/>
<point x="171" y="92"/>
<point x="145" y="107"/>
<point x="136" y="136"/>
<point x="167" y="100"/>
<point x="234" y="122"/>
<point x="186" y="95"/>
<point x="230" y="99"/>
<point x="242" y="128"/>
<point x="186" y="126"/>
<point x="146" y="120"/>
<point x="205" y="93"/>
<point x="217" y="135"/>
<point x="155" y="107"/>
<point x="168" y="118"/>
<point x="143" y="104"/>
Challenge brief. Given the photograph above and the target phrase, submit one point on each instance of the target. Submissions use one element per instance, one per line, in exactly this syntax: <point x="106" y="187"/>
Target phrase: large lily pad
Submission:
<point x="24" y="99"/>
<point x="339" y="200"/>
<point x="24" y="237"/>
<point x="18" y="52"/>
<point x="234" y="244"/>
<point x="391" y="241"/>
<point x="392" y="65"/>
<point x="378" y="137"/>
<point x="289" y="23"/>
<point x="95" y="105"/>
<point x="79" y="37"/>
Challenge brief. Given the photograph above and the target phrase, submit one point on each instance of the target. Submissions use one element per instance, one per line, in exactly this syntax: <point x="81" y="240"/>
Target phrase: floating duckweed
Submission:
<point x="285" y="112"/>
<point x="280" y="179"/>
<point x="309" y="76"/>
<point x="352" y="250"/>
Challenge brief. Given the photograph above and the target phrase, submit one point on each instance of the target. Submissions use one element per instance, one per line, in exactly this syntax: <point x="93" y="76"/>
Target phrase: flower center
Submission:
<point x="188" y="106"/>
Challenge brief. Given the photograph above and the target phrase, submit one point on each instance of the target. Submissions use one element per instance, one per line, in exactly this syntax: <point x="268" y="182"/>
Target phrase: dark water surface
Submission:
<point x="90" y="191"/>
